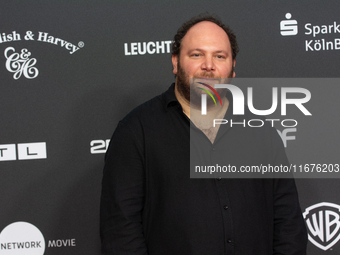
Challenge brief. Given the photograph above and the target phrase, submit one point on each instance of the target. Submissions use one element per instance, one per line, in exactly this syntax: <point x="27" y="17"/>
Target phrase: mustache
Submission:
<point x="205" y="75"/>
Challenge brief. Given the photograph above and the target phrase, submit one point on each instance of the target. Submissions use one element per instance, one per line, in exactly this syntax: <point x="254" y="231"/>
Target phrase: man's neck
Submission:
<point x="204" y="122"/>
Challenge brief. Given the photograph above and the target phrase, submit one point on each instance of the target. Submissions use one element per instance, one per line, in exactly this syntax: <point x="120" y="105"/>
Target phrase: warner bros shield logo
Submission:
<point x="323" y="224"/>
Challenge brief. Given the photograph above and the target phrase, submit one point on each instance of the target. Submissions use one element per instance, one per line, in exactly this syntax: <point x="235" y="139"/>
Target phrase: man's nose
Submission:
<point x="208" y="64"/>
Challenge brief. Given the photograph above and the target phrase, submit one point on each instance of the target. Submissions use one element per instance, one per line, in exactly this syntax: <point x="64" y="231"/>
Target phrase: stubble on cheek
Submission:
<point x="183" y="83"/>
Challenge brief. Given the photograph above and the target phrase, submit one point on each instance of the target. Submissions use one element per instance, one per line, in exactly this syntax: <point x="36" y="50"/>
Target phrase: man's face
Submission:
<point x="205" y="53"/>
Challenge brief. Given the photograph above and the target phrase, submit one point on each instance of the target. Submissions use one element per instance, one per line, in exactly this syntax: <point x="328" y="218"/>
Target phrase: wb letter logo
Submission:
<point x="323" y="223"/>
<point x="21" y="64"/>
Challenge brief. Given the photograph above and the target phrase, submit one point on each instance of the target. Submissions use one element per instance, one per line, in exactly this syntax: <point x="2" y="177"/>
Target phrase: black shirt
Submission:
<point x="150" y="205"/>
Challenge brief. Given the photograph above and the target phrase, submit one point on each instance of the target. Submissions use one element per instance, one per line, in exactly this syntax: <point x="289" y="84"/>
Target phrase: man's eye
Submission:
<point x="220" y="56"/>
<point x="196" y="55"/>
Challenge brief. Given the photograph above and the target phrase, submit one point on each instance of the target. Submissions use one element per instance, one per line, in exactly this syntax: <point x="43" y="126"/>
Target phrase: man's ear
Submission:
<point x="234" y="74"/>
<point x="174" y="60"/>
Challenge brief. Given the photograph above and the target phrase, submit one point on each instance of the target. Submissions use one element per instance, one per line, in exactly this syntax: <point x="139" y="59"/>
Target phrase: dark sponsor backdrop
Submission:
<point x="74" y="101"/>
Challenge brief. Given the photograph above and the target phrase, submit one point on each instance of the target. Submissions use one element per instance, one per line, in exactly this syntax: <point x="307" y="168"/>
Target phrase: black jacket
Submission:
<point x="150" y="205"/>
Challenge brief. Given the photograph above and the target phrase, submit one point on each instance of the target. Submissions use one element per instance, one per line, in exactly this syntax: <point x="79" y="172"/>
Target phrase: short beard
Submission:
<point x="183" y="82"/>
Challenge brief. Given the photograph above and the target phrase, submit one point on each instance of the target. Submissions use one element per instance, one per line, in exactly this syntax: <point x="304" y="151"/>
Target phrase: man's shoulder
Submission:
<point x="153" y="105"/>
<point x="149" y="111"/>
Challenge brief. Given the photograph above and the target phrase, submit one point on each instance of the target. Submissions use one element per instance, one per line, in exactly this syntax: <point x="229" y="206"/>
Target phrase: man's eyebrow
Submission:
<point x="221" y="51"/>
<point x="201" y="50"/>
<point x="196" y="50"/>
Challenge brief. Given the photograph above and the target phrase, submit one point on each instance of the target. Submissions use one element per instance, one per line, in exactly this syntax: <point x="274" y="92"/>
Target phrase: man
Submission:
<point x="149" y="203"/>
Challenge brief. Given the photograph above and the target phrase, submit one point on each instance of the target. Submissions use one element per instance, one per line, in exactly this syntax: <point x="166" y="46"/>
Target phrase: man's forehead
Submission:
<point x="206" y="27"/>
<point x="206" y="32"/>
